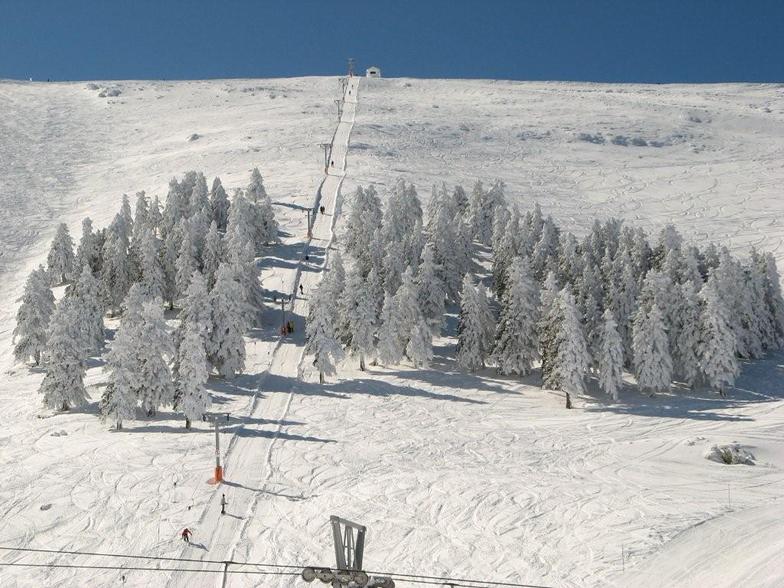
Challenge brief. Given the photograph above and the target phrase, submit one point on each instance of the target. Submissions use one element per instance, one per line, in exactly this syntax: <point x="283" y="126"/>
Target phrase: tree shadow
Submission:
<point x="759" y="382"/>
<point x="345" y="389"/>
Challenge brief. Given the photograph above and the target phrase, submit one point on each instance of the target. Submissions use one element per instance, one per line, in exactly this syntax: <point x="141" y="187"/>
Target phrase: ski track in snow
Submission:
<point x="466" y="475"/>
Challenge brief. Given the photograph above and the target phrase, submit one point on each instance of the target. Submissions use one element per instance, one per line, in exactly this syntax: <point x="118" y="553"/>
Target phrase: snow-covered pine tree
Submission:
<point x="154" y="216"/>
<point x="773" y="298"/>
<point x="88" y="252"/>
<point x="263" y="216"/>
<point x="443" y="236"/>
<point x="652" y="360"/>
<point x="120" y="397"/>
<point x="196" y="310"/>
<point x="569" y="262"/>
<point x="419" y="348"/>
<point x="407" y="318"/>
<point x="393" y="266"/>
<point x="610" y="359"/>
<point x="506" y="227"/>
<point x="717" y="340"/>
<point x="248" y="272"/>
<point x="127" y="216"/>
<point x="60" y="261"/>
<point x="240" y="228"/>
<point x="63" y="384"/>
<point x="321" y="341"/>
<point x="171" y="252"/>
<point x="362" y="317"/>
<point x="199" y="200"/>
<point x="176" y="207"/>
<point x="472" y="328"/>
<point x="219" y="205"/>
<point x="186" y="262"/>
<point x="33" y="316"/>
<point x="154" y="351"/>
<point x="152" y="276"/>
<point x="366" y="215"/>
<point x="516" y="340"/>
<point x="566" y="351"/>
<point x="487" y="318"/>
<point x="115" y="272"/>
<point x="389" y="348"/>
<point x="545" y="253"/>
<point x="684" y="353"/>
<point x="141" y="219"/>
<point x="430" y="290"/>
<point x="213" y="254"/>
<point x="190" y="394"/>
<point x="90" y="311"/>
<point x="229" y="323"/>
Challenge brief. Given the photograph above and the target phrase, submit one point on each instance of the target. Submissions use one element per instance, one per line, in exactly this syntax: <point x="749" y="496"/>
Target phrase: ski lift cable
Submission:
<point x="412" y="578"/>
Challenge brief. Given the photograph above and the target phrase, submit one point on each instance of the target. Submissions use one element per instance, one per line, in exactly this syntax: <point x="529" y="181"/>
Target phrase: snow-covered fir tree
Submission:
<point x="472" y="329"/>
<point x="88" y="251"/>
<point x="119" y="399"/>
<point x="487" y="318"/>
<point x="33" y="316"/>
<point x="389" y="349"/>
<point x="419" y="348"/>
<point x="219" y="205"/>
<point x="566" y="351"/>
<point x="321" y="341"/>
<point x="191" y="396"/>
<point x="196" y="310"/>
<point x="63" y="384"/>
<point x="90" y="311"/>
<point x="431" y="295"/>
<point x="229" y="323"/>
<point x="115" y="271"/>
<point x="171" y="252"/>
<point x="60" y="261"/>
<point x="544" y="257"/>
<point x="263" y="217"/>
<point x="610" y="359"/>
<point x="186" y="262"/>
<point x="154" y="216"/>
<point x="717" y="340"/>
<point x="152" y="275"/>
<point x="362" y="315"/>
<point x="240" y="228"/>
<point x="154" y="351"/>
<point x="652" y="360"/>
<point x="516" y="340"/>
<point x="213" y="254"/>
<point x="247" y="271"/>
<point x="684" y="352"/>
<point x="365" y="216"/>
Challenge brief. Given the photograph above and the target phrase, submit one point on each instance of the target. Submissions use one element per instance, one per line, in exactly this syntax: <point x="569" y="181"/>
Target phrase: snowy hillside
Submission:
<point x="463" y="475"/>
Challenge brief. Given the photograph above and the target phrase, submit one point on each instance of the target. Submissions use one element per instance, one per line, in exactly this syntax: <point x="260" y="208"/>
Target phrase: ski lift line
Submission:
<point x="141" y="568"/>
<point x="413" y="578"/>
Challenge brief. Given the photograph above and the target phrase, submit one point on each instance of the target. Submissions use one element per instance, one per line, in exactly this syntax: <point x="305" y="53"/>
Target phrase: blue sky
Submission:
<point x="594" y="40"/>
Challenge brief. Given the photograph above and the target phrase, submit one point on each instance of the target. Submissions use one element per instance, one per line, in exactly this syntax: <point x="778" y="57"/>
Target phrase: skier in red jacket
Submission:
<point x="186" y="535"/>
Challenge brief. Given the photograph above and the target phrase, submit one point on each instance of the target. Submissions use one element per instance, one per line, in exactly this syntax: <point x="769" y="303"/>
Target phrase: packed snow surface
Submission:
<point x="474" y="476"/>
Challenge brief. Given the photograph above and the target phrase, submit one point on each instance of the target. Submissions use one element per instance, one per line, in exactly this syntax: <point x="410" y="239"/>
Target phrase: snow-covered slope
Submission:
<point x="466" y="475"/>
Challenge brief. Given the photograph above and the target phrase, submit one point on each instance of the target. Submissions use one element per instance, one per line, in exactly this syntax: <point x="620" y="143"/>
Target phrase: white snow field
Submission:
<point x="469" y="476"/>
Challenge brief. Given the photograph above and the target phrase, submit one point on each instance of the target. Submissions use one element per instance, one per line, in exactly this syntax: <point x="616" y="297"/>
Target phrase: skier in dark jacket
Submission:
<point x="223" y="504"/>
<point x="186" y="535"/>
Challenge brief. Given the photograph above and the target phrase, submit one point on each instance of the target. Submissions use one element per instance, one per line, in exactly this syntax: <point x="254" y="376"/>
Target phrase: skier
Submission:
<point x="322" y="209"/>
<point x="301" y="290"/>
<point x="332" y="163"/>
<point x="223" y="504"/>
<point x="186" y="535"/>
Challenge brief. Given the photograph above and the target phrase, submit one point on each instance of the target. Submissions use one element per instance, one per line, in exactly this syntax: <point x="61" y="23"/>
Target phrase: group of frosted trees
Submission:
<point x="590" y="308"/>
<point x="196" y="254"/>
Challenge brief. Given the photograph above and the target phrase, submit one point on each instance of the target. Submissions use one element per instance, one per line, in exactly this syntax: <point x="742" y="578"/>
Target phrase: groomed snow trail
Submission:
<point x="247" y="459"/>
